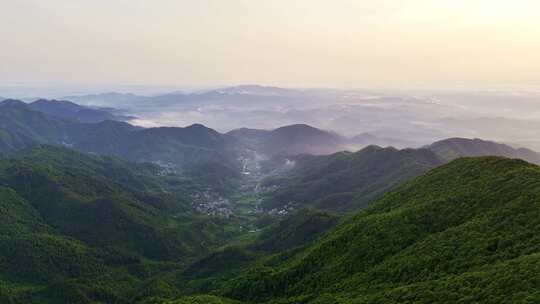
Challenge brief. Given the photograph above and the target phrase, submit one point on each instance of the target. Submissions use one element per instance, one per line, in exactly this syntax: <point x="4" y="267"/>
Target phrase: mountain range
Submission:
<point x="362" y="174"/>
<point x="453" y="148"/>
<point x="227" y="93"/>
<point x="96" y="210"/>
<point x="69" y="219"/>
<point x="22" y="125"/>
<point x="401" y="119"/>
<point x="72" y="111"/>
<point x="346" y="181"/>
<point x="464" y="232"/>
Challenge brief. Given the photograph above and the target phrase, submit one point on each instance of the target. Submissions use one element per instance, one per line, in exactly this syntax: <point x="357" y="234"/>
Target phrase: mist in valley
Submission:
<point x="387" y="118"/>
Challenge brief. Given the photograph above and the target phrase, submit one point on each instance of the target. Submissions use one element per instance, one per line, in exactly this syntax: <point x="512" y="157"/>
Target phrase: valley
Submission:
<point x="107" y="212"/>
<point x="269" y="152"/>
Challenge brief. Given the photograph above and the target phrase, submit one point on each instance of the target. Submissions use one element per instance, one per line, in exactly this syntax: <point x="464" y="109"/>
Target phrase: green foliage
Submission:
<point x="20" y="126"/>
<point x="87" y="229"/>
<point x="16" y="215"/>
<point x="465" y="232"/>
<point x="295" y="230"/>
<point x="43" y="257"/>
<point x="282" y="238"/>
<point x="347" y="181"/>
<point x="204" y="299"/>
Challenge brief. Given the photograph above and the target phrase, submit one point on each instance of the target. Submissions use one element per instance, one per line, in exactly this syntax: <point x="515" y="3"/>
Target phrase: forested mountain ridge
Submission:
<point x="57" y="122"/>
<point x="466" y="231"/>
<point x="443" y="236"/>
<point x="453" y="148"/>
<point x="72" y="111"/>
<point x="198" y="212"/>
<point x="347" y="181"/>
<point x="174" y="147"/>
<point x="88" y="229"/>
<point x="21" y="126"/>
<point x="87" y="197"/>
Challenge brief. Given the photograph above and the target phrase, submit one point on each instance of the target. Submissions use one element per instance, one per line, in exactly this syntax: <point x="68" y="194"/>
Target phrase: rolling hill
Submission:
<point x="464" y="232"/>
<point x="300" y="139"/>
<point x="72" y="111"/>
<point x="86" y="229"/>
<point x="346" y="181"/>
<point x="453" y="148"/>
<point x="21" y="126"/>
<point x="174" y="147"/>
<point x="290" y="140"/>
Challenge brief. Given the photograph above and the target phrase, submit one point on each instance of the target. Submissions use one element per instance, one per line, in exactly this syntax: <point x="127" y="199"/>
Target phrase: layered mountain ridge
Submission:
<point x="191" y="215"/>
<point x="21" y="126"/>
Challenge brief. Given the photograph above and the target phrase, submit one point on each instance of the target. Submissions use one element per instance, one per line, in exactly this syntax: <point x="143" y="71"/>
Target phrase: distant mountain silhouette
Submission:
<point x="301" y="138"/>
<point x="366" y="139"/>
<point x="69" y="110"/>
<point x="453" y="148"/>
<point x="256" y="90"/>
<point x="242" y="93"/>
<point x="21" y="126"/>
<point x="291" y="140"/>
<point x="106" y="99"/>
<point x="247" y="133"/>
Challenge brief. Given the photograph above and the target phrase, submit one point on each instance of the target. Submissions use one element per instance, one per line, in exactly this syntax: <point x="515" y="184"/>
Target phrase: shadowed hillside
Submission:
<point x="347" y="181"/>
<point x="453" y="148"/>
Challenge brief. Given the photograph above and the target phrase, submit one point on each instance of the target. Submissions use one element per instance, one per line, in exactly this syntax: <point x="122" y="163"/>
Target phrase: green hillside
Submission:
<point x="467" y="232"/>
<point x="19" y="126"/>
<point x="204" y="299"/>
<point x="77" y="228"/>
<point x="83" y="229"/>
<point x="347" y="181"/>
<point x="288" y="234"/>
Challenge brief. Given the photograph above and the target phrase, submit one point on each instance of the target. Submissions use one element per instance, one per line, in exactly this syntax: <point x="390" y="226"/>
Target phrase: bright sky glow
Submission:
<point x="280" y="42"/>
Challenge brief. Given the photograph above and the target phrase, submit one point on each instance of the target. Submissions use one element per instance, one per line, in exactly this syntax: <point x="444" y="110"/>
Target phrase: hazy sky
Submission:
<point x="281" y="42"/>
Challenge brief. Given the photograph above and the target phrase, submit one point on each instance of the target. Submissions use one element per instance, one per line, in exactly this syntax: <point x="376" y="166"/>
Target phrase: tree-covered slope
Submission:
<point x="79" y="228"/>
<point x="346" y="181"/>
<point x="106" y="201"/>
<point x="180" y="147"/>
<point x="466" y="232"/>
<point x="294" y="230"/>
<point x="291" y="232"/>
<point x="205" y="299"/>
<point x="20" y="126"/>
